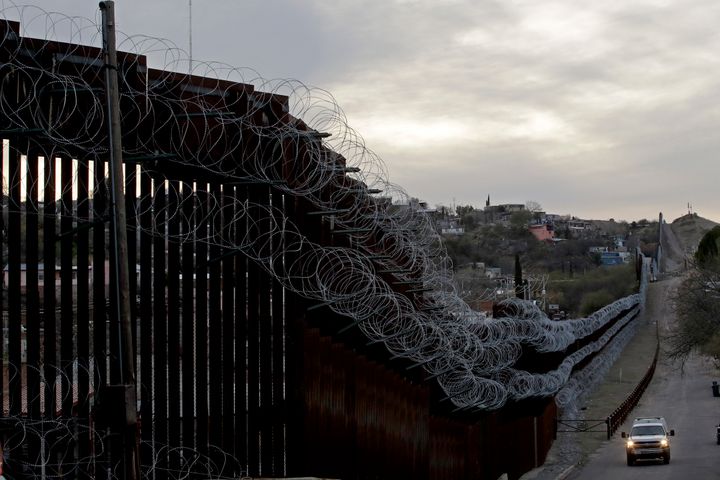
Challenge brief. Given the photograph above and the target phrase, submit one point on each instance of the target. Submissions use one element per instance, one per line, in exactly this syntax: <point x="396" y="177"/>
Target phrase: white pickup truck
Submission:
<point x="648" y="438"/>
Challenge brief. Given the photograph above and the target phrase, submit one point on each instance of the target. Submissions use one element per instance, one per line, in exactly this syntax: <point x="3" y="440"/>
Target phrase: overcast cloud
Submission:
<point x="597" y="109"/>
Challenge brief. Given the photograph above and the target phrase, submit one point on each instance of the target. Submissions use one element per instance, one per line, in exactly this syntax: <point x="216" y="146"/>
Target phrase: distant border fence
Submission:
<point x="618" y="416"/>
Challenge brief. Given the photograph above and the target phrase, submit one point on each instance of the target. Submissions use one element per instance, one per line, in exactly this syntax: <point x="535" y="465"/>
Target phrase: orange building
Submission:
<point x="542" y="232"/>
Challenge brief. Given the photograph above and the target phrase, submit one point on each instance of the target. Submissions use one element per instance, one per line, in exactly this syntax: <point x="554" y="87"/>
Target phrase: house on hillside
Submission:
<point x="450" y="226"/>
<point x="620" y="243"/>
<point x="501" y="213"/>
<point x="543" y="232"/>
<point x="452" y="231"/>
<point x="578" y="225"/>
<point x="573" y="227"/>
<point x="554" y="217"/>
<point x="614" y="258"/>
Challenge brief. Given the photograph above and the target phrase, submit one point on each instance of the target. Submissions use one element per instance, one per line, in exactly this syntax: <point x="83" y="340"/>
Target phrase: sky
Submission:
<point x="598" y="109"/>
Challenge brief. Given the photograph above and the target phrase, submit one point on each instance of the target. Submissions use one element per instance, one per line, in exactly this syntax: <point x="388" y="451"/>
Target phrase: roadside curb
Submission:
<point x="532" y="474"/>
<point x="564" y="474"/>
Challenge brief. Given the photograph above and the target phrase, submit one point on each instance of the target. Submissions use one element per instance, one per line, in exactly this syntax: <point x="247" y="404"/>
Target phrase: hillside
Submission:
<point x="689" y="229"/>
<point x="680" y="239"/>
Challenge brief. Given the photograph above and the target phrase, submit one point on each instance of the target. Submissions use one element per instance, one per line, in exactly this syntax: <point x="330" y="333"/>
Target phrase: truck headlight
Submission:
<point x="630" y="444"/>
<point x="664" y="442"/>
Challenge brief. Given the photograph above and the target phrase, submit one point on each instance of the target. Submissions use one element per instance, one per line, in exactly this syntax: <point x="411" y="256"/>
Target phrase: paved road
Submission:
<point x="684" y="398"/>
<point x="686" y="401"/>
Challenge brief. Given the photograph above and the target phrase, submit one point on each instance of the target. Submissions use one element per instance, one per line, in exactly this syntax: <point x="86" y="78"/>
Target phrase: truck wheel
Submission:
<point x="630" y="460"/>
<point x="666" y="458"/>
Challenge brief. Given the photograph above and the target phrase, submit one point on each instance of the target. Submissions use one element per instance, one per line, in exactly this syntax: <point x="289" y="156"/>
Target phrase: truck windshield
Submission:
<point x="648" y="430"/>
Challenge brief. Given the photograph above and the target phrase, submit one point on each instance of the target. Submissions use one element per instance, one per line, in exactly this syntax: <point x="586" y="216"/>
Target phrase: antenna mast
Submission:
<point x="190" y="36"/>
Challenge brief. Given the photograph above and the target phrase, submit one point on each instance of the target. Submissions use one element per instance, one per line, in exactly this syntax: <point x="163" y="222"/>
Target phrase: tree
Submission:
<point x="594" y="301"/>
<point x="519" y="220"/>
<point x="533" y="206"/>
<point x="697" y="305"/>
<point x="468" y="221"/>
<point x="443" y="210"/>
<point x="708" y="247"/>
<point x="519" y="293"/>
<point x="463" y="210"/>
<point x="535" y="209"/>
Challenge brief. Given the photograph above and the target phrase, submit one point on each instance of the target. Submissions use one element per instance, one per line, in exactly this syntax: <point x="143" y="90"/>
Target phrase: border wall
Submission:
<point x="238" y="374"/>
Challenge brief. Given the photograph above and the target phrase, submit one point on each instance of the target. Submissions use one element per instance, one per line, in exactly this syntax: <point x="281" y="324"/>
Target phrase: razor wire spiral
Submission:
<point x="471" y="356"/>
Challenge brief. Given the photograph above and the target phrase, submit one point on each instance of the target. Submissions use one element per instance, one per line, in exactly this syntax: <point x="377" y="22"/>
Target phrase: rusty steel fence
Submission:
<point x="618" y="416"/>
<point x="240" y="371"/>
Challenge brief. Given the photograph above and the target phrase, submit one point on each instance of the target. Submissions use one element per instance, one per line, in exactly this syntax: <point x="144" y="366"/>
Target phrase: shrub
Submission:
<point x="593" y="301"/>
<point x="601" y="286"/>
<point x="707" y="250"/>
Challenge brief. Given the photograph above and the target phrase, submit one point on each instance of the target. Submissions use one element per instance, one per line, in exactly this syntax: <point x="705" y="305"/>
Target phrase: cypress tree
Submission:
<point x="518" y="278"/>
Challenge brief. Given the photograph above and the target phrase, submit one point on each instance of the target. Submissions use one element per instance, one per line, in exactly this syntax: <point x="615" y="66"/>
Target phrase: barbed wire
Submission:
<point x="47" y="447"/>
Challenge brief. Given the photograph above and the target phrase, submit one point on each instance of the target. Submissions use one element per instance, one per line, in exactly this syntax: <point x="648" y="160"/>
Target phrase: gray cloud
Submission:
<point x="603" y="109"/>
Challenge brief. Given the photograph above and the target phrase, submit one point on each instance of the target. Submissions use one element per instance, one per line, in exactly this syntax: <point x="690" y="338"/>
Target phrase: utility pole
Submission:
<point x="120" y="255"/>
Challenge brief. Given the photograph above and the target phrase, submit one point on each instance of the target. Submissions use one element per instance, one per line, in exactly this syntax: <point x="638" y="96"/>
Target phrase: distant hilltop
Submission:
<point x="690" y="228"/>
<point x="694" y="218"/>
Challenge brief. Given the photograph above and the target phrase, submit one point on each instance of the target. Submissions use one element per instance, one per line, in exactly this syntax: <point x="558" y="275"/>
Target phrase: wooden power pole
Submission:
<point x="120" y="256"/>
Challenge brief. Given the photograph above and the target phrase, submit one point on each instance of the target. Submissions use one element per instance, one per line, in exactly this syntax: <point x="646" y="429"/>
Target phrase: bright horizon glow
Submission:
<point x="58" y="185"/>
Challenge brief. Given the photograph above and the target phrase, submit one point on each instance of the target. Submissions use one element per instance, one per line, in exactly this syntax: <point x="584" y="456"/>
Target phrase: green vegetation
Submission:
<point x="697" y="304"/>
<point x="581" y="295"/>
<point x="577" y="281"/>
<point x="708" y="248"/>
<point x="519" y="292"/>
